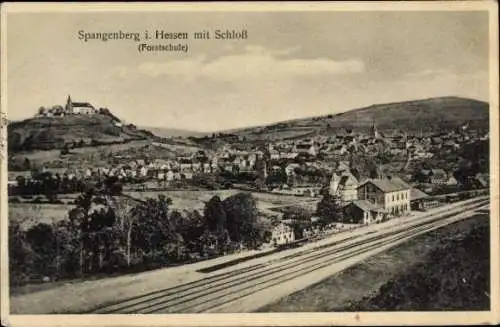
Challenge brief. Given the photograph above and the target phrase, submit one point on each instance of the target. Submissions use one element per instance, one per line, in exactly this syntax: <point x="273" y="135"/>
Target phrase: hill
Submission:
<point x="47" y="133"/>
<point x="428" y="115"/>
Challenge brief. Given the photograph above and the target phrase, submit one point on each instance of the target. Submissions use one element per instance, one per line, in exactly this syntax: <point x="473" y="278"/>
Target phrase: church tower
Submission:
<point x="69" y="105"/>
<point x="375" y="134"/>
<point x="334" y="184"/>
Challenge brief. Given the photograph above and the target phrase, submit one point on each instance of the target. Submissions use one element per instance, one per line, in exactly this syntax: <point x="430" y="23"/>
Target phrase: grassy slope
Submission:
<point x="52" y="132"/>
<point x="447" y="269"/>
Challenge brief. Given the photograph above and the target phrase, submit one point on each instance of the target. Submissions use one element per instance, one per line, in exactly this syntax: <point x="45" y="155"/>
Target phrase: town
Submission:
<point x="333" y="161"/>
<point x="226" y="194"/>
<point x="344" y="170"/>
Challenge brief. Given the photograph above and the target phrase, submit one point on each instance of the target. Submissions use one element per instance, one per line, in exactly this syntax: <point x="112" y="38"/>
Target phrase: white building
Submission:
<point x="282" y="234"/>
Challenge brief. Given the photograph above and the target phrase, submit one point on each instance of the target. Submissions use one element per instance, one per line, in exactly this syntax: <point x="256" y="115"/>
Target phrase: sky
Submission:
<point x="292" y="65"/>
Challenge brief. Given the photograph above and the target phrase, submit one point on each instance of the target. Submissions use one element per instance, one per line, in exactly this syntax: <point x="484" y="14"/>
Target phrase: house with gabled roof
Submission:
<point x="391" y="194"/>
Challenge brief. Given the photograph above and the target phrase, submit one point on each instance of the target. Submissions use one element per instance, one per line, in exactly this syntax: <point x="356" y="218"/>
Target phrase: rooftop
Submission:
<point x="416" y="194"/>
<point x="367" y="206"/>
<point x="389" y="184"/>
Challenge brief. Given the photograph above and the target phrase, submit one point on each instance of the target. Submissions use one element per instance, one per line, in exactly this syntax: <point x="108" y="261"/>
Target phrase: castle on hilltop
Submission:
<point x="79" y="108"/>
<point x="71" y="108"/>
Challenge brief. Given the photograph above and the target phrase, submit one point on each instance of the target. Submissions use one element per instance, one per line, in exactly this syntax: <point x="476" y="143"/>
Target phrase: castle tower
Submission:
<point x="69" y="105"/>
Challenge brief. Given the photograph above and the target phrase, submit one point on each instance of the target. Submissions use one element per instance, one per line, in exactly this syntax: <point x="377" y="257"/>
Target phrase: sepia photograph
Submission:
<point x="251" y="160"/>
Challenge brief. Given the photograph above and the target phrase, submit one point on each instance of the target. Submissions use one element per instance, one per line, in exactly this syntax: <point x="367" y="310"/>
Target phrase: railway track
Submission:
<point x="218" y="291"/>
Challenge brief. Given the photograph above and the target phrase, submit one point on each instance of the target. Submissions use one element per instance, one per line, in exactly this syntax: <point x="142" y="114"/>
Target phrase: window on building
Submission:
<point x="393" y="197"/>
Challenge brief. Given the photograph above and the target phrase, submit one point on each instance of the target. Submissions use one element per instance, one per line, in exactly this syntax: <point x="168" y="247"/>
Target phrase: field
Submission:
<point x="447" y="269"/>
<point x="91" y="155"/>
<point x="195" y="200"/>
<point x="103" y="154"/>
<point x="30" y="214"/>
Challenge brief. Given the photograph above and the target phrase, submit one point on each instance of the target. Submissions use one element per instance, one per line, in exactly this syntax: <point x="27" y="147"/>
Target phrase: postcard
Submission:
<point x="249" y="164"/>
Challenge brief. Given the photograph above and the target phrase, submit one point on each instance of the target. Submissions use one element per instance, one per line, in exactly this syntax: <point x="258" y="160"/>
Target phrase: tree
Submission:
<point x="216" y="219"/>
<point x="41" y="238"/>
<point x="375" y="171"/>
<point x="65" y="149"/>
<point x="242" y="214"/>
<point x="84" y="223"/>
<point x="156" y="230"/>
<point x="112" y="186"/>
<point x="215" y="214"/>
<point x="126" y="221"/>
<point x="42" y="111"/>
<point x="21" y="255"/>
<point x="27" y="164"/>
<point x="328" y="209"/>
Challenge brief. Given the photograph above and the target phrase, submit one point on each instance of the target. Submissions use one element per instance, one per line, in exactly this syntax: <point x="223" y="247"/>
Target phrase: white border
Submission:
<point x="264" y="319"/>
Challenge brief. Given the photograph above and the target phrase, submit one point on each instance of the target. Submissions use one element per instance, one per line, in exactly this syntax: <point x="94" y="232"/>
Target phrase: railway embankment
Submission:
<point x="445" y="269"/>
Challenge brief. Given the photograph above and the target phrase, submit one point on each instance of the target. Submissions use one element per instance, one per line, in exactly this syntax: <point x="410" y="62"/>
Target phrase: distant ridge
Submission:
<point x="173" y="132"/>
<point x="427" y="115"/>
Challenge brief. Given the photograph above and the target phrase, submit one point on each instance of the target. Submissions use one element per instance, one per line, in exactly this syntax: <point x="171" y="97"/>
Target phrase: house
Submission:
<point x="187" y="175"/>
<point x="363" y="212"/>
<point x="391" y="194"/>
<point x="344" y="186"/>
<point x="420" y="200"/>
<point x="451" y="180"/>
<point x="282" y="234"/>
<point x="343" y="166"/>
<point x="433" y="176"/>
<point x="450" y="145"/>
<point x="276" y="169"/>
<point x="290" y="169"/>
<point x="348" y="188"/>
<point x="481" y="180"/>
<point x="185" y="164"/>
<point x="288" y="155"/>
<point x="207" y="168"/>
<point x="305" y="191"/>
<point x="143" y="171"/>
<point x="306" y="149"/>
<point x="274" y="155"/>
<point x="339" y="150"/>
<point x="196" y="166"/>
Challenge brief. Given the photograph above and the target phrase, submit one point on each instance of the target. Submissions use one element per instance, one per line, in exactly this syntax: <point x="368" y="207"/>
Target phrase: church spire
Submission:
<point x="69" y="105"/>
